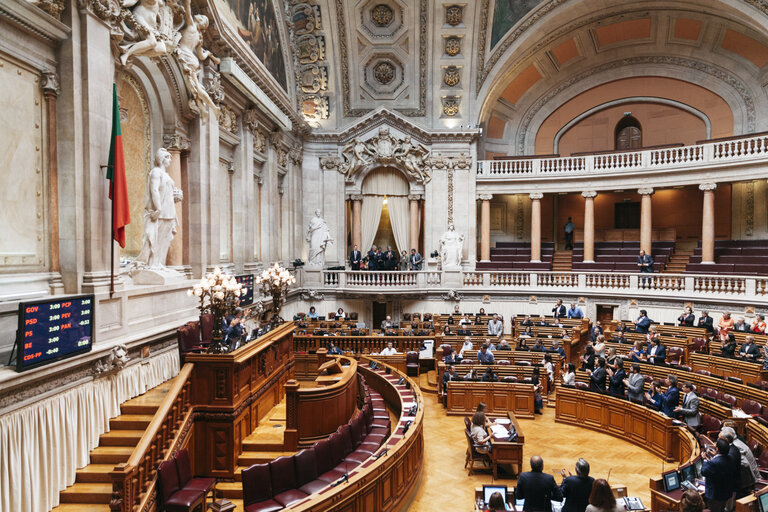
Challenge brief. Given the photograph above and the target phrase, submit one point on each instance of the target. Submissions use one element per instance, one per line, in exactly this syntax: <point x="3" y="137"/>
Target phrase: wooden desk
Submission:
<point x="506" y="452"/>
<point x="501" y="397"/>
<point x="657" y="433"/>
<point x="501" y="370"/>
<point x="747" y="371"/>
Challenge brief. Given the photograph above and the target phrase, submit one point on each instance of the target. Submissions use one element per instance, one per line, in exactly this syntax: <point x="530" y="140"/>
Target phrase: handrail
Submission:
<point x="133" y="480"/>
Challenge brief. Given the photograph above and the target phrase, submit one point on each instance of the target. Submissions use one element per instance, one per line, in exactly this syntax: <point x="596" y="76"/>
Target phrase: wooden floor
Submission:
<point x="445" y="485"/>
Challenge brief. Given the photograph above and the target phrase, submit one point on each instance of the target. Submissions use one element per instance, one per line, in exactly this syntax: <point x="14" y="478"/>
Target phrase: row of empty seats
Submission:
<point x="620" y="256"/>
<point x="517" y="256"/>
<point x="290" y="479"/>
<point x="732" y="257"/>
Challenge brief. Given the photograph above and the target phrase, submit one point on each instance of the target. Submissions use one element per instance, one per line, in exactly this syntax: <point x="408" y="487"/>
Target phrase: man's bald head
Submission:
<point x="537" y="464"/>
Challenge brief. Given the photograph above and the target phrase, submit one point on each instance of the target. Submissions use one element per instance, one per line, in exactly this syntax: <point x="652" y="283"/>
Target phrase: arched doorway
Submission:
<point x="629" y="134"/>
<point x="385" y="215"/>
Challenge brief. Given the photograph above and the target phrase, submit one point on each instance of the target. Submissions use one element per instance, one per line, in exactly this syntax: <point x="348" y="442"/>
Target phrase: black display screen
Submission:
<point x="246" y="294"/>
<point x="53" y="329"/>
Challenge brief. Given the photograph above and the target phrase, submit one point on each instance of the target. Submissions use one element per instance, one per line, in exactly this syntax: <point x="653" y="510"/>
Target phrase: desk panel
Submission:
<point x="500" y="397"/>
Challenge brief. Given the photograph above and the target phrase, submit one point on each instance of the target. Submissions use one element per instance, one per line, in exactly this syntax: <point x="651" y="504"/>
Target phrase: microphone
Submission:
<point x="381" y="453"/>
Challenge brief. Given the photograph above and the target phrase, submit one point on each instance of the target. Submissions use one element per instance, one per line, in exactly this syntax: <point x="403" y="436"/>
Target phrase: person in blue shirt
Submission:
<point x="653" y="396"/>
<point x="557" y="348"/>
<point x="575" y="312"/>
<point x="671" y="398"/>
<point x="484" y="356"/>
<point x="334" y="350"/>
<point x="643" y="322"/>
<point x="719" y="478"/>
<point x="312" y="313"/>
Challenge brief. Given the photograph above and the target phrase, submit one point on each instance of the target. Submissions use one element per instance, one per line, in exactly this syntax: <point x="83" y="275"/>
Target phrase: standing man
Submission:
<point x="657" y="354"/>
<point x="635" y="384"/>
<point x="719" y="477"/>
<point x="495" y="327"/>
<point x="372" y="263"/>
<point x="749" y="473"/>
<point x="645" y="264"/>
<point x="559" y="310"/>
<point x="576" y="489"/>
<point x="707" y="323"/>
<point x="575" y="312"/>
<point x="687" y="317"/>
<point x="689" y="411"/>
<point x="415" y="260"/>
<point x="569" y="227"/>
<point x="537" y="488"/>
<point x="643" y="322"/>
<point x="597" y="377"/>
<point x="484" y="356"/>
<point x="355" y="257"/>
<point x="671" y="397"/>
<point x="390" y="259"/>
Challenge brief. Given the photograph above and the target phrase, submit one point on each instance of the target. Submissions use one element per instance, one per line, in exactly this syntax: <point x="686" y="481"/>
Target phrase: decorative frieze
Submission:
<point x="228" y="119"/>
<point x="176" y="142"/>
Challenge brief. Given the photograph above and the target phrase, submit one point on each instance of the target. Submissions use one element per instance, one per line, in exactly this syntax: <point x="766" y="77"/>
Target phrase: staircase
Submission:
<point x="562" y="261"/>
<point x="92" y="489"/>
<point x="677" y="262"/>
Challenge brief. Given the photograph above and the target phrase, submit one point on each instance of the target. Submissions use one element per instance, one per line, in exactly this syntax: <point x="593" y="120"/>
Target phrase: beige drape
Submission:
<point x="43" y="444"/>
<point x="389" y="183"/>
<point x="370" y="217"/>
<point x="399" y="217"/>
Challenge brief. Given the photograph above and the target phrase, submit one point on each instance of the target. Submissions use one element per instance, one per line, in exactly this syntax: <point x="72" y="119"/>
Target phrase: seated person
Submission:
<point x="527" y="321"/>
<point x="334" y="350"/>
<point x="450" y="321"/>
<point x="452" y="358"/>
<point x="449" y="375"/>
<point x="538" y="346"/>
<point x="387" y="323"/>
<point x="480" y="437"/>
<point x="622" y="327"/>
<point x="340" y="314"/>
<point x="456" y="310"/>
<point x="740" y="325"/>
<point x="485" y="356"/>
<point x="619" y="337"/>
<point x="447" y="331"/>
<point x="758" y="326"/>
<point x="503" y="345"/>
<point x="557" y="348"/>
<point x="496" y="503"/>
<point x="522" y="344"/>
<point x="390" y="350"/>
<point x="495" y="326"/>
<point x="749" y="351"/>
<point x="528" y="332"/>
<point x="465" y="321"/>
<point x="464" y="332"/>
<point x="729" y="346"/>
<point x="471" y="374"/>
<point x="637" y="354"/>
<point x="489" y="376"/>
<point x="312" y="313"/>
<point x="466" y="346"/>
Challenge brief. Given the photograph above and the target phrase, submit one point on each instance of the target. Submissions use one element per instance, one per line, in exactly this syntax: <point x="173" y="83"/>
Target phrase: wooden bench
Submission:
<point x="500" y="397"/>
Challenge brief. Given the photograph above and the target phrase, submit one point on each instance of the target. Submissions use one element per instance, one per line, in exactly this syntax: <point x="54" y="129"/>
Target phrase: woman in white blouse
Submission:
<point x="569" y="379"/>
<point x="467" y="346"/>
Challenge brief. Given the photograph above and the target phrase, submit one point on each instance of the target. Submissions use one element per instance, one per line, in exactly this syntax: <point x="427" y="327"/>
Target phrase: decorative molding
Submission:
<point x="358" y="197"/>
<point x="175" y="141"/>
<point x="538" y="196"/>
<point x="484" y="197"/>
<point x="49" y="81"/>
<point x="452" y="46"/>
<point x="384" y="72"/>
<point x="454" y="15"/>
<point x="647" y="191"/>
<point x="707" y="186"/>
<point x="588" y="194"/>
<point x="451" y="105"/>
<point x="453" y="295"/>
<point x="310" y="64"/>
<point x="228" y="119"/>
<point x="749" y="207"/>
<point x="452" y="76"/>
<point x="382" y="15"/>
<point x="413" y="197"/>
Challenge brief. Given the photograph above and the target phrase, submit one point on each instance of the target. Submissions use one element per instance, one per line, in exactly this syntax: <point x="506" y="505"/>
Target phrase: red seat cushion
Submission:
<point x="264" y="506"/>
<point x="370" y="446"/>
<point x="358" y="456"/>
<point x="200" y="484"/>
<point x="183" y="501"/>
<point x="289" y="497"/>
<point x="332" y="475"/>
<point x="314" y="486"/>
<point x="379" y="430"/>
<point x="283" y="475"/>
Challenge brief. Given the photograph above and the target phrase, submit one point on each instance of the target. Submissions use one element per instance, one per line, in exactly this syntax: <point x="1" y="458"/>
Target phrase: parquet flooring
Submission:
<point x="445" y="485"/>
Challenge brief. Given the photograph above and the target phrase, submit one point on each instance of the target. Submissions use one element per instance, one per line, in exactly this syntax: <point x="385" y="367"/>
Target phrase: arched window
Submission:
<point x="629" y="135"/>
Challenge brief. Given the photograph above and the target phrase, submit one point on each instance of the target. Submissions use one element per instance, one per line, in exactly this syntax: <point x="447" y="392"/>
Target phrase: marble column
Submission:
<point x="175" y="144"/>
<point x="357" y="223"/>
<point x="414" y="221"/>
<point x="708" y="223"/>
<point x="646" y="219"/>
<point x="485" y="226"/>
<point x="536" y="226"/>
<point x="589" y="225"/>
<point x="50" y="85"/>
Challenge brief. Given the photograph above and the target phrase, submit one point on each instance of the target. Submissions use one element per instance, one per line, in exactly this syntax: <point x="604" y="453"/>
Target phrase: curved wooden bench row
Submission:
<point x="358" y="344"/>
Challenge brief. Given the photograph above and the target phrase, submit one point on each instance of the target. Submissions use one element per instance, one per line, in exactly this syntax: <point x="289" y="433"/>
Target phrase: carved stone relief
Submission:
<point x="454" y="15"/>
<point x="311" y="65"/>
<point x="384" y="72"/>
<point x="382" y="15"/>
<point x="227" y="119"/>
<point x="451" y="76"/>
<point x="450" y="106"/>
<point x="452" y="46"/>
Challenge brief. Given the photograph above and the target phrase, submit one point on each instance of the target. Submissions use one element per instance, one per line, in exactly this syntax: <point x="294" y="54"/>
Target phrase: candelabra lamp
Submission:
<point x="274" y="282"/>
<point x="219" y="294"/>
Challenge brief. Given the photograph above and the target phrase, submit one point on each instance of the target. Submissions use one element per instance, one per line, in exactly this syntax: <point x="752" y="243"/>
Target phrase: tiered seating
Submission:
<point x="517" y="256"/>
<point x="620" y="256"/>
<point x="286" y="481"/>
<point x="733" y="257"/>
<point x="178" y="490"/>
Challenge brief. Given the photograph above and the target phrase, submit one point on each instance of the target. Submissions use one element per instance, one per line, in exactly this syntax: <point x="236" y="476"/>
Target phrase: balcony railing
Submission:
<point x="627" y="284"/>
<point x="717" y="153"/>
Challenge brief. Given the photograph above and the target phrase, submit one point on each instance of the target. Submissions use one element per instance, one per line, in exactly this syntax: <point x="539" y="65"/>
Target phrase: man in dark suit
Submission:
<point x="576" y="489"/>
<point x="749" y="351"/>
<point x="643" y="322"/>
<point x="645" y="263"/>
<point x="671" y="398"/>
<point x="719" y="474"/>
<point x="415" y="260"/>
<point x="450" y="375"/>
<point x="355" y="257"/>
<point x="380" y="260"/>
<point x="705" y="321"/>
<point x="687" y="318"/>
<point x="372" y="261"/>
<point x="657" y="353"/>
<point x="597" y="377"/>
<point x="390" y="259"/>
<point x="689" y="411"/>
<point x="559" y="310"/>
<point x="537" y="488"/>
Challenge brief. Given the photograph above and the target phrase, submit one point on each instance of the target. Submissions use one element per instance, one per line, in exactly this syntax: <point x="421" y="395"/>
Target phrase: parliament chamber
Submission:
<point x="390" y="255"/>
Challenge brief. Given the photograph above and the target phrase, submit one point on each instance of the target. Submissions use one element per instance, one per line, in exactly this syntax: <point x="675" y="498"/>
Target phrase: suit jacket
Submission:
<point x="447" y="377"/>
<point x="719" y="475"/>
<point x="690" y="410"/>
<point x="354" y="259"/>
<point x="706" y="322"/>
<point x="559" y="312"/>
<point x="646" y="262"/>
<point x="750" y="350"/>
<point x="635" y="388"/>
<point x="642" y="324"/>
<point x="616" y="383"/>
<point x="597" y="380"/>
<point x="372" y="261"/>
<point x="390" y="260"/>
<point x="660" y="356"/>
<point x="669" y="400"/>
<point x="687" y="320"/>
<point x="538" y="490"/>
<point x="576" y="491"/>
<point x="741" y="328"/>
<point x="415" y="260"/>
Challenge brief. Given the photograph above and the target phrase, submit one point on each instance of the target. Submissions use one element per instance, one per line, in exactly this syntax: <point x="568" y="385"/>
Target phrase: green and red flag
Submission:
<point x="118" y="187"/>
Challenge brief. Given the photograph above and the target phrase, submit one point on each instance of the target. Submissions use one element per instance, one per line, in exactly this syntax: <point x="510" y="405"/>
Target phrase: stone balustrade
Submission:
<point x="753" y="289"/>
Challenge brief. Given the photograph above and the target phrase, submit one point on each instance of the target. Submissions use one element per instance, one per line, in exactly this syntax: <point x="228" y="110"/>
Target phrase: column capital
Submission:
<point x="589" y="194"/>
<point x="648" y="191"/>
<point x="49" y="81"/>
<point x="175" y="141"/>
<point x="485" y="196"/>
<point x="536" y="196"/>
<point x="355" y="197"/>
<point x="707" y="186"/>
<point x="414" y="197"/>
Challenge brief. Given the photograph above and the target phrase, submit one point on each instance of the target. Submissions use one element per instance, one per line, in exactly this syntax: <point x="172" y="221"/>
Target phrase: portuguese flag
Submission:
<point x="118" y="188"/>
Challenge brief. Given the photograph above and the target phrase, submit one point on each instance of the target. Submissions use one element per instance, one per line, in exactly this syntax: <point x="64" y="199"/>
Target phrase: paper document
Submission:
<point x="499" y="431"/>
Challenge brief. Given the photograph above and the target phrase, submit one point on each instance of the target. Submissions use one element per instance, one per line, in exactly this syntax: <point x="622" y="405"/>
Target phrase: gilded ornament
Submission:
<point x="382" y="15"/>
<point x="452" y="46"/>
<point x="450" y="106"/>
<point x="452" y="76"/>
<point x="454" y="15"/>
<point x="384" y="72"/>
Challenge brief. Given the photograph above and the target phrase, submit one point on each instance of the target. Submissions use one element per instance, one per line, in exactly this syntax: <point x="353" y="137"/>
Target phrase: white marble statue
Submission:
<point x="152" y="30"/>
<point x="190" y="54"/>
<point x="160" y="212"/>
<point x="318" y="238"/>
<point x="413" y="156"/>
<point x="451" y="247"/>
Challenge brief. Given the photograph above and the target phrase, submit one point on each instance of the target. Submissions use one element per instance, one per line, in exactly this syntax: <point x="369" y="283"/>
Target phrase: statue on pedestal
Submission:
<point x="160" y="224"/>
<point x="190" y="54"/>
<point x="451" y="247"/>
<point x="318" y="238"/>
